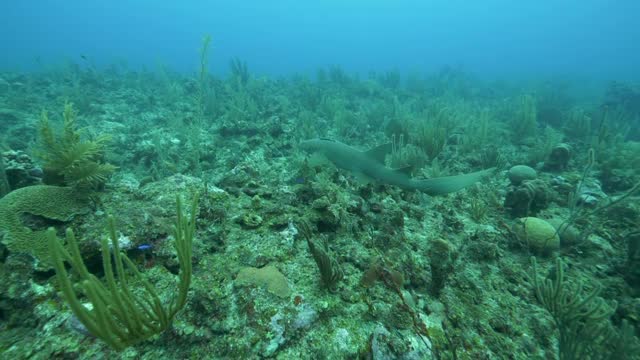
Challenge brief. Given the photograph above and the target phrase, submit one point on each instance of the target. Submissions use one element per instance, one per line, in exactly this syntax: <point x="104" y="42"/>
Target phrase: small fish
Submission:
<point x="144" y="247"/>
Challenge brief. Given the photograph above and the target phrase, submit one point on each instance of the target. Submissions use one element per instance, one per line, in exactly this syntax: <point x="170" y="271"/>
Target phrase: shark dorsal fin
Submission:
<point x="407" y="170"/>
<point x="379" y="153"/>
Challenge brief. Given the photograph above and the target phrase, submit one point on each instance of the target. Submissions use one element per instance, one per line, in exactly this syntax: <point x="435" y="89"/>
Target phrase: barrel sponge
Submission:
<point x="49" y="202"/>
<point x="538" y="234"/>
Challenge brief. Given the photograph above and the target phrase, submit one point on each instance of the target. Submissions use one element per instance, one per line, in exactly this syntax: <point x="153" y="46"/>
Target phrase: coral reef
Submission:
<point x="293" y="257"/>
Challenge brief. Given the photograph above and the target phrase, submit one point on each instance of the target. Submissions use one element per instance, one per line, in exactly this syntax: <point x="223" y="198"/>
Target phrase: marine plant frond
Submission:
<point x="72" y="156"/>
<point x="67" y="157"/>
<point x="120" y="315"/>
<point x="48" y="143"/>
<point x="88" y="150"/>
<point x="582" y="317"/>
<point x="69" y="134"/>
<point x="88" y="173"/>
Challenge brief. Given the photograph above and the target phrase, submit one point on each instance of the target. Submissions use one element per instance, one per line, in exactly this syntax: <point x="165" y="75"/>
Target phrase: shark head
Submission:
<point x="319" y="149"/>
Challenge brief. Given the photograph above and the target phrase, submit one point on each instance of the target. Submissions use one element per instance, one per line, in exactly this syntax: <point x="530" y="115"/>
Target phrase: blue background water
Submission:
<point x="598" y="38"/>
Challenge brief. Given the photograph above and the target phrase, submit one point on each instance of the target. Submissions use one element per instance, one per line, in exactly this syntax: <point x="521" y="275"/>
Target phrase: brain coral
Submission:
<point x="48" y="202"/>
<point x="268" y="277"/>
<point x="538" y="234"/>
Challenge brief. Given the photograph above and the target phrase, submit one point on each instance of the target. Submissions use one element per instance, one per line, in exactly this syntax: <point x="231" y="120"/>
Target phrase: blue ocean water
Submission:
<point x="492" y="37"/>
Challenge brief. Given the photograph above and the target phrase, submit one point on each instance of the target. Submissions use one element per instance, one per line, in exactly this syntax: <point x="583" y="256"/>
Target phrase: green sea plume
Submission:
<point x="68" y="159"/>
<point x="580" y="316"/>
<point x="121" y="316"/>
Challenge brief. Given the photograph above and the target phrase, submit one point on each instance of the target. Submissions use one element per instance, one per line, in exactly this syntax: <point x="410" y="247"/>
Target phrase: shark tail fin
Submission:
<point x="449" y="184"/>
